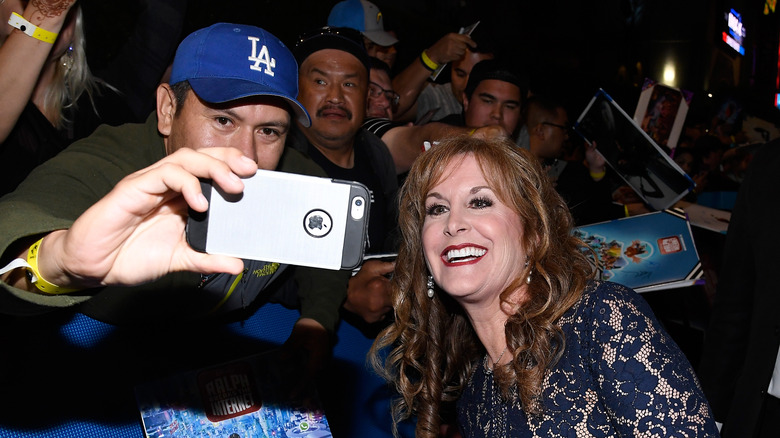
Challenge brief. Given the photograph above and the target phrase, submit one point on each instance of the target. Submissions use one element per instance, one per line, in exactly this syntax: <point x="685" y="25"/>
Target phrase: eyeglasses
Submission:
<point x="564" y="128"/>
<point x="346" y="32"/>
<point x="375" y="90"/>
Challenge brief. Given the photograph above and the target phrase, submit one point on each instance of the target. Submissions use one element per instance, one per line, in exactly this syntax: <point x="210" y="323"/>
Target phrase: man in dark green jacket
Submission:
<point x="101" y="226"/>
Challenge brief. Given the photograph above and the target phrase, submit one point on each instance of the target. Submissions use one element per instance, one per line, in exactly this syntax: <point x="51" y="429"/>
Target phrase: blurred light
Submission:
<point x="736" y="32"/>
<point x="709" y="95"/>
<point x="669" y="74"/>
<point x="769" y="6"/>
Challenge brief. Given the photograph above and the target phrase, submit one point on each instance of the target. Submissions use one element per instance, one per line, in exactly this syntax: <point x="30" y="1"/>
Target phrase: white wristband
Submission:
<point x="15" y="264"/>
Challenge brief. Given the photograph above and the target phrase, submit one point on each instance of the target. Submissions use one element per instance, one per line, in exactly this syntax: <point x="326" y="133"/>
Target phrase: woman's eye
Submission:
<point x="481" y="203"/>
<point x="435" y="210"/>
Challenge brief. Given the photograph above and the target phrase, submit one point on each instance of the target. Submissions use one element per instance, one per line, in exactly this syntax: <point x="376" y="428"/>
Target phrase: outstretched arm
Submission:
<point x="135" y="233"/>
<point x="406" y="142"/>
<point x="411" y="81"/>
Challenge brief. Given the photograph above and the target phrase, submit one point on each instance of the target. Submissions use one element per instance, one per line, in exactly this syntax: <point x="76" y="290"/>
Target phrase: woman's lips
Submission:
<point x="464" y="254"/>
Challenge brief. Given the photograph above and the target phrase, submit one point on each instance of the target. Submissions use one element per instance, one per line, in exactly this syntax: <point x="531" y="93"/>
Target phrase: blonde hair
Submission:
<point x="70" y="82"/>
<point x="432" y="347"/>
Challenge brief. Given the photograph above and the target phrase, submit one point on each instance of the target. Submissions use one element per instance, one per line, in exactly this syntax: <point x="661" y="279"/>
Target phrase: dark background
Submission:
<point x="568" y="48"/>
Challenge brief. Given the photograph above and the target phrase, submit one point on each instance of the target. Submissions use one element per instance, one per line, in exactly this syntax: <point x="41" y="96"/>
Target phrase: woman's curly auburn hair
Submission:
<point x="430" y="350"/>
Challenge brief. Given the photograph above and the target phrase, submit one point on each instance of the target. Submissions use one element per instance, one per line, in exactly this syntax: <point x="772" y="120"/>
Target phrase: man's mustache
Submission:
<point x="346" y="111"/>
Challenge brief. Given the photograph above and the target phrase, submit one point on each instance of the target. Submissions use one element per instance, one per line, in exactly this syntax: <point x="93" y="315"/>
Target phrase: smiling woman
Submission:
<point x="514" y="330"/>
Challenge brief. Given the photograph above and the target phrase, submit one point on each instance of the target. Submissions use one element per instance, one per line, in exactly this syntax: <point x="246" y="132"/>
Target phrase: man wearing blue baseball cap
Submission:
<point x="102" y="225"/>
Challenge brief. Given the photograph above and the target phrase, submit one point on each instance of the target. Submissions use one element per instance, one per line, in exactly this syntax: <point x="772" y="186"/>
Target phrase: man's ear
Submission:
<point x="166" y="109"/>
<point x="465" y="103"/>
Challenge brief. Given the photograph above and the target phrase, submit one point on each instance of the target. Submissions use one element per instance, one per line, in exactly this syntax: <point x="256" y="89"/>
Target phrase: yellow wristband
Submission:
<point x="598" y="175"/>
<point x="625" y="208"/>
<point x="428" y="62"/>
<point x="37" y="280"/>
<point x="30" y="29"/>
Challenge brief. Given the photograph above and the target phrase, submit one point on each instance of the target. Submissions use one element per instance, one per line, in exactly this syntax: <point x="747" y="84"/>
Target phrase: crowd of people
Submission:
<point x="488" y="322"/>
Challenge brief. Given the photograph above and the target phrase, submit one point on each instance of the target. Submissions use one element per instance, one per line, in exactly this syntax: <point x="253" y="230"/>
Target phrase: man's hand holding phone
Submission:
<point x="135" y="233"/>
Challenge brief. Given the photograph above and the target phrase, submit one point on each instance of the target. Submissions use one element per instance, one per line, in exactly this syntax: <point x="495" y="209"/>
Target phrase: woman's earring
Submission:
<point x="430" y="286"/>
<point x="528" y="279"/>
<point x="67" y="58"/>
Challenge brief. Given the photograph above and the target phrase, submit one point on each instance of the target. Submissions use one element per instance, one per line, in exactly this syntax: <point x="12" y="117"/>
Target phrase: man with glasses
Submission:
<point x="381" y="97"/>
<point x="584" y="185"/>
<point x="548" y="129"/>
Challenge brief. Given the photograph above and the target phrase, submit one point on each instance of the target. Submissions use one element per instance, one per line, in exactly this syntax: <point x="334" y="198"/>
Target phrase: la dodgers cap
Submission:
<point x="345" y="39"/>
<point x="225" y="62"/>
<point x="363" y="16"/>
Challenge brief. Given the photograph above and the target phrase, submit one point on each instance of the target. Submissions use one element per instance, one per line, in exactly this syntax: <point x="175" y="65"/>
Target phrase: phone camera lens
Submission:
<point x="358" y="210"/>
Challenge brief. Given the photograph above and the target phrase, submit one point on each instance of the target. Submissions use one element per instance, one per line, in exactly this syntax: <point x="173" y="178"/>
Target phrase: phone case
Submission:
<point x="285" y="218"/>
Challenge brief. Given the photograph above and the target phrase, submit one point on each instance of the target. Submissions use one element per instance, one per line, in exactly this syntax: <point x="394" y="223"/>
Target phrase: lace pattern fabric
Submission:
<point x="620" y="375"/>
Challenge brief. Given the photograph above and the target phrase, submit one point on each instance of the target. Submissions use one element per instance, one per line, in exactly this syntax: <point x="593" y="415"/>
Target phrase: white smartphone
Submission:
<point x="285" y="218"/>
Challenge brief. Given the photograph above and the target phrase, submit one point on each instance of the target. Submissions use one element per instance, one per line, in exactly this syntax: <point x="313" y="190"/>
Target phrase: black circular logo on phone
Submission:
<point x="317" y="223"/>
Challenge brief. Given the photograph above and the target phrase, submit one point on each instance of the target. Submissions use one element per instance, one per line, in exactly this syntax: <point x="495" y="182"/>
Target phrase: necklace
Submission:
<point x="487" y="362"/>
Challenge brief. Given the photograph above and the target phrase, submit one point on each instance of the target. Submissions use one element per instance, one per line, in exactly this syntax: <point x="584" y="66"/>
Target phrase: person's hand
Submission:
<point x="43" y="10"/>
<point x="597" y="164"/>
<point x="637" y="208"/>
<point x="701" y="181"/>
<point x="50" y="15"/>
<point x="306" y="352"/>
<point x="135" y="234"/>
<point x="53" y="6"/>
<point x="625" y="195"/>
<point x="450" y="47"/>
<point x="368" y="294"/>
<point x="490" y="132"/>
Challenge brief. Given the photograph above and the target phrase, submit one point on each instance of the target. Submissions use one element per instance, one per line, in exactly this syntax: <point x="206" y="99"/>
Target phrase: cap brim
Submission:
<point x="221" y="90"/>
<point x="381" y="38"/>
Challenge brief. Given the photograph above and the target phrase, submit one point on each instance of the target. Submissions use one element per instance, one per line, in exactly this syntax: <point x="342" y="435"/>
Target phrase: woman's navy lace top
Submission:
<point x="620" y="375"/>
